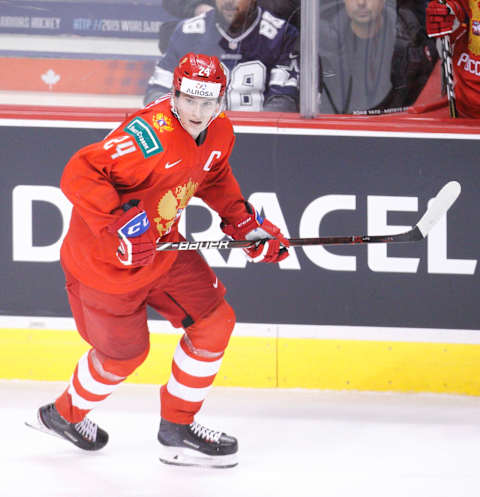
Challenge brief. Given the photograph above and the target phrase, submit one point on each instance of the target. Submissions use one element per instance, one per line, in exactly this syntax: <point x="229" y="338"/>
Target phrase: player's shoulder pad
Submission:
<point x="194" y="25"/>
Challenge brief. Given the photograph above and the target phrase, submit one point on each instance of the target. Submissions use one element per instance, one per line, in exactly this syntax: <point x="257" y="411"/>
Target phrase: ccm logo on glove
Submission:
<point x="136" y="226"/>
<point x="137" y="241"/>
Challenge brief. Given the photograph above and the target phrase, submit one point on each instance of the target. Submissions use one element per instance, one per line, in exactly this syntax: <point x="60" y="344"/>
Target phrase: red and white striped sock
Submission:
<point x="192" y="376"/>
<point x="87" y="388"/>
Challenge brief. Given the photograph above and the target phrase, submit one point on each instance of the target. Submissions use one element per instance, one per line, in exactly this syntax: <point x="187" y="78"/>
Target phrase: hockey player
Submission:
<point x="128" y="192"/>
<point x="258" y="51"/>
<point x="461" y="21"/>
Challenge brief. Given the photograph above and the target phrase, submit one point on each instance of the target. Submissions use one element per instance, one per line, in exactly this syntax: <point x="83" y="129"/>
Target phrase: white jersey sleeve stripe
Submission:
<point x="161" y="77"/>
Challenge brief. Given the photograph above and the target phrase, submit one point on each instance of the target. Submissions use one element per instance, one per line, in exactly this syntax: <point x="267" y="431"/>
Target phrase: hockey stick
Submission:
<point x="439" y="206"/>
<point x="447" y="71"/>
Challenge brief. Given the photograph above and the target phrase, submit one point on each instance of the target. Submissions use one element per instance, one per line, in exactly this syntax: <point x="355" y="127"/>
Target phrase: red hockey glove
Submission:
<point x="444" y="19"/>
<point x="137" y="241"/>
<point x="255" y="227"/>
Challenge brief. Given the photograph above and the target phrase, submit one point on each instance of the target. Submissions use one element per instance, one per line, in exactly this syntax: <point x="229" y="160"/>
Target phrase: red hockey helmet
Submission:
<point x="200" y="76"/>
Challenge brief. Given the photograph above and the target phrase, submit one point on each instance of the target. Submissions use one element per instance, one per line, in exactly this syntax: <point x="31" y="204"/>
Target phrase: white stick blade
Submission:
<point x="439" y="206"/>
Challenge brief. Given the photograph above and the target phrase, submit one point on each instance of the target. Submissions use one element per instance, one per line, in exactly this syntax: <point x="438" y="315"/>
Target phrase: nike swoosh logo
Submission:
<point x="168" y="165"/>
<point x="215" y="285"/>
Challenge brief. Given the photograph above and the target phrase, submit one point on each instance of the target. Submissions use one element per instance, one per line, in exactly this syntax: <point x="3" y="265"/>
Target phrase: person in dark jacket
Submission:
<point x="374" y="58"/>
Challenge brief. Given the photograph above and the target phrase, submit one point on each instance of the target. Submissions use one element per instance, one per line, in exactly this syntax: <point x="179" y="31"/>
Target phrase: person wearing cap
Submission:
<point x="128" y="193"/>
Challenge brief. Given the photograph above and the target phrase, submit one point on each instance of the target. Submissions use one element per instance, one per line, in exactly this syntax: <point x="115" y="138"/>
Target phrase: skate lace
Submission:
<point x="87" y="429"/>
<point x="205" y="433"/>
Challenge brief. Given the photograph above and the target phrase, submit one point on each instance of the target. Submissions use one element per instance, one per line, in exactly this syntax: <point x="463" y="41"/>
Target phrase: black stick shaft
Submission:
<point x="438" y="208"/>
<point x="409" y="236"/>
<point x="447" y="66"/>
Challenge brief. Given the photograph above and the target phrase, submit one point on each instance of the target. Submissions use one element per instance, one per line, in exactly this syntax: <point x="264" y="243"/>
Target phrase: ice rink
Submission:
<point x="292" y="443"/>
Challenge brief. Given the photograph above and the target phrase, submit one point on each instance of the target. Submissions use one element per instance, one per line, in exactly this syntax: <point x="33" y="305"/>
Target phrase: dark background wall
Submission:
<point x="298" y="170"/>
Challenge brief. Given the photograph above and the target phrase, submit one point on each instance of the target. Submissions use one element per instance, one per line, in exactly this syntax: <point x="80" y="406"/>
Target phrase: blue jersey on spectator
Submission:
<point x="261" y="63"/>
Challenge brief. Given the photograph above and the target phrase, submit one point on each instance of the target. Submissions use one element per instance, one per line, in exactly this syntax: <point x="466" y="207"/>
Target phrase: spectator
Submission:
<point x="461" y="22"/>
<point x="286" y="9"/>
<point x="418" y="7"/>
<point x="258" y="50"/>
<point x="184" y="10"/>
<point x="374" y="58"/>
<point x="187" y="8"/>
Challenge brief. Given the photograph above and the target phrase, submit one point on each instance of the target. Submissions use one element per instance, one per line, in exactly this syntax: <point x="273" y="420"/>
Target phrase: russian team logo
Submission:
<point x="161" y="122"/>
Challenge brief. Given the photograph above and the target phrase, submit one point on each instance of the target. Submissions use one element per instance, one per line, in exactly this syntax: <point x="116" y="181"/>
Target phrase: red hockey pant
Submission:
<point x="115" y="325"/>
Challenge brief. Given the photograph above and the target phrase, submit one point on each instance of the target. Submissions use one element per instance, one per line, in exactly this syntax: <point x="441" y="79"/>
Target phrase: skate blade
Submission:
<point x="180" y="456"/>
<point x="37" y="425"/>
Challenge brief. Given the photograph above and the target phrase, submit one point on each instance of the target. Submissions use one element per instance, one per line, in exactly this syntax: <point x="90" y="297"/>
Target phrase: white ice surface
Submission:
<point x="292" y="443"/>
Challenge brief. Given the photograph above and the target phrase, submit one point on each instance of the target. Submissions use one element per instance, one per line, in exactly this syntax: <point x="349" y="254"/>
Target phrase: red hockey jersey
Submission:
<point x="149" y="157"/>
<point x="466" y="62"/>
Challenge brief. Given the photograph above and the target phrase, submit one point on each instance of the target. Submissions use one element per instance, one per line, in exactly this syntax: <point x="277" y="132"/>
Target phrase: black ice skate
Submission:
<point x="195" y="445"/>
<point x="86" y="434"/>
